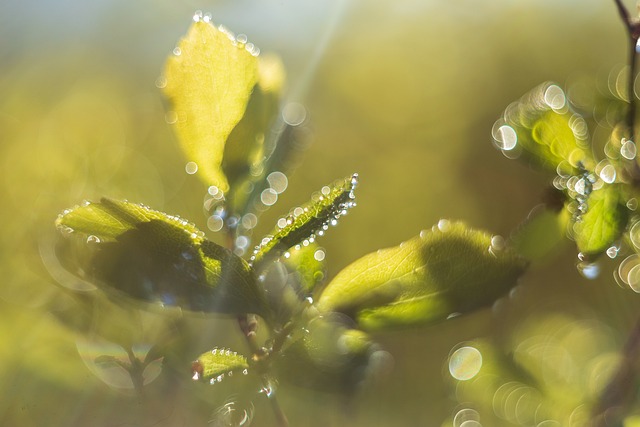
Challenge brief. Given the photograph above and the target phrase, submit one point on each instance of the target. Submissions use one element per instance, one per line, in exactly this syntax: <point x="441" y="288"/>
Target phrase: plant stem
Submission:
<point x="620" y="388"/>
<point x="633" y="30"/>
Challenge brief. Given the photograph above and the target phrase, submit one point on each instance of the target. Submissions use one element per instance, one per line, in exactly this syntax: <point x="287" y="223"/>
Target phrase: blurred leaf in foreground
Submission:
<point x="155" y="257"/>
<point x="209" y="80"/>
<point x="450" y="269"/>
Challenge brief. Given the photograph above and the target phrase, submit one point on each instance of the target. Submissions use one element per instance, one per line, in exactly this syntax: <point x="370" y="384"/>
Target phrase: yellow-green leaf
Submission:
<point x="309" y="220"/>
<point x="154" y="257"/>
<point x="450" y="269"/>
<point x="542" y="129"/>
<point x="214" y="365"/>
<point x="209" y="80"/>
<point x="603" y="222"/>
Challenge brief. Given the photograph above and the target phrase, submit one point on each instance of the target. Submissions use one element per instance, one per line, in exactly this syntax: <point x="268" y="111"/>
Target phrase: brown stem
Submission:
<point x="633" y="30"/>
<point x="618" y="392"/>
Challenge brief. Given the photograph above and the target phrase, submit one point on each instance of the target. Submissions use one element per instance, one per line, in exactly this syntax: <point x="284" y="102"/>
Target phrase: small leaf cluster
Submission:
<point x="597" y="190"/>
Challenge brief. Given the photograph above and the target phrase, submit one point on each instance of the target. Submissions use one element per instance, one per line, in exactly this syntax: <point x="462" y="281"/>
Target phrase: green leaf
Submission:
<point x="306" y="222"/>
<point x="543" y="130"/>
<point x="603" y="222"/>
<point x="244" y="153"/>
<point x="214" y="365"/>
<point x="450" y="269"/>
<point x="209" y="80"/>
<point x="154" y="257"/>
<point x="542" y="232"/>
<point x="308" y="266"/>
<point x="330" y="357"/>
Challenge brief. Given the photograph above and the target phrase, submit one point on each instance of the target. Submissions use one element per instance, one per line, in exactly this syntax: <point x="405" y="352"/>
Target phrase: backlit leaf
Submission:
<point x="603" y="222"/>
<point x="309" y="220"/>
<point x="214" y="365"/>
<point x="209" y="80"/>
<point x="542" y="129"/>
<point x="450" y="269"/>
<point x="244" y="152"/>
<point x="154" y="257"/>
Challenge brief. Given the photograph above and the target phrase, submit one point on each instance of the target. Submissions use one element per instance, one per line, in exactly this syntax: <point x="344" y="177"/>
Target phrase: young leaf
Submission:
<point x="545" y="132"/>
<point x="209" y="80"/>
<point x="154" y="257"/>
<point x="603" y="222"/>
<point x="309" y="220"/>
<point x="244" y="153"/>
<point x="542" y="232"/>
<point x="213" y="365"/>
<point x="451" y="269"/>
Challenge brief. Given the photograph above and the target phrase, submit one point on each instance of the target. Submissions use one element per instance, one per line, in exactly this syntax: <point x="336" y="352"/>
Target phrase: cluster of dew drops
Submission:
<point x="239" y="40"/>
<point x="340" y="210"/>
<point x="580" y="186"/>
<point x="197" y="368"/>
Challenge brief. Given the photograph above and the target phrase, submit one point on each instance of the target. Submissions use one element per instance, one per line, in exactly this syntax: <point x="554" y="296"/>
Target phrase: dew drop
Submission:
<point x="93" y="239"/>
<point x="464" y="415"/>
<point x="634" y="235"/>
<point x="294" y="114"/>
<point x="628" y="149"/>
<point x="554" y="97"/>
<point x="241" y="38"/>
<point x="278" y="181"/>
<point x="319" y="255"/>
<point x="608" y="174"/>
<point x="207" y="17"/>
<point x="177" y="51"/>
<point x="171" y="117"/>
<point x="215" y="223"/>
<point x="589" y="270"/>
<point x="506" y="138"/>
<point x="197" y="16"/>
<point x="161" y="82"/>
<point x="632" y="204"/>
<point x="465" y="363"/>
<point x="191" y="168"/>
<point x="269" y="197"/>
<point x="249" y="221"/>
<point x="325" y="190"/>
<point x="612" y="252"/>
<point x="444" y="225"/>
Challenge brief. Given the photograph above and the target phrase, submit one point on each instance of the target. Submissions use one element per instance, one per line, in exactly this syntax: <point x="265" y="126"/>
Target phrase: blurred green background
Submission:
<point x="403" y="92"/>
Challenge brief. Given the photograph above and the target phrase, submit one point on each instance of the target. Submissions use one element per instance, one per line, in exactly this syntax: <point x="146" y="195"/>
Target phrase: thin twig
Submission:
<point x="621" y="386"/>
<point x="633" y="30"/>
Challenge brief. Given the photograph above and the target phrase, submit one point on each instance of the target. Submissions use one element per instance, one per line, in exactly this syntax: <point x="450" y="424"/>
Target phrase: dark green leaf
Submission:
<point x="330" y="357"/>
<point x="543" y="130"/>
<point x="603" y="222"/>
<point x="214" y="365"/>
<point x="154" y="257"/>
<point x="244" y="153"/>
<point x="451" y="269"/>
<point x="306" y="222"/>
